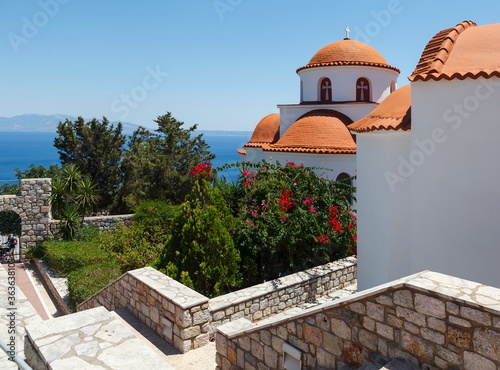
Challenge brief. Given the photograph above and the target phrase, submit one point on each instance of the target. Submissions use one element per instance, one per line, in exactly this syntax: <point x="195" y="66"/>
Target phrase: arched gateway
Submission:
<point x="33" y="208"/>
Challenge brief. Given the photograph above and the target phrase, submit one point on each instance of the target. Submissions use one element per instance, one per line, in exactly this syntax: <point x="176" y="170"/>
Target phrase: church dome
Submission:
<point x="266" y="131"/>
<point x="347" y="52"/>
<point x="317" y="133"/>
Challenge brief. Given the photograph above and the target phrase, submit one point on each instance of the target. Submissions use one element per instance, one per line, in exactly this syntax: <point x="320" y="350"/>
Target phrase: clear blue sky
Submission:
<point x="223" y="64"/>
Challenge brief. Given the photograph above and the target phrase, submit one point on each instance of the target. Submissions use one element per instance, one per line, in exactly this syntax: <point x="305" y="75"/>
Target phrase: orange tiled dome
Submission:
<point x="266" y="131"/>
<point x="347" y="52"/>
<point x="320" y="133"/>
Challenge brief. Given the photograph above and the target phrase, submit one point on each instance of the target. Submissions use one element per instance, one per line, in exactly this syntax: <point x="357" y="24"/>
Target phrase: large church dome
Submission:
<point x="347" y="52"/>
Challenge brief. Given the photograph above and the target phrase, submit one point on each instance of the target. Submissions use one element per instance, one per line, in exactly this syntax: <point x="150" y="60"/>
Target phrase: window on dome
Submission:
<point x="325" y="90"/>
<point x="362" y="90"/>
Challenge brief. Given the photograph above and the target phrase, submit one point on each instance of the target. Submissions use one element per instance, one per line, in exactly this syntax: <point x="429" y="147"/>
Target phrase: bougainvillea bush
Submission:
<point x="291" y="219"/>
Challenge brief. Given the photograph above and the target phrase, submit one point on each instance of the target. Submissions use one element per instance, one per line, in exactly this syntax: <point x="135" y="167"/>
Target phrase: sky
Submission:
<point x="221" y="64"/>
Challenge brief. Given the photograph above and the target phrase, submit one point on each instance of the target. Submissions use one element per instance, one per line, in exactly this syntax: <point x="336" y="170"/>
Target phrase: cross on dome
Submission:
<point x="347" y="30"/>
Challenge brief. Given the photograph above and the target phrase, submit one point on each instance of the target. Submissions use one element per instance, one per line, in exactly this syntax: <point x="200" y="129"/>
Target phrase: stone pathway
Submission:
<point x="14" y="302"/>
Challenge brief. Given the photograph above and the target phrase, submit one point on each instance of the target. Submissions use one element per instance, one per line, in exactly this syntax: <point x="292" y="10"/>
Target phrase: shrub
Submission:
<point x="88" y="280"/>
<point x="87" y="233"/>
<point x="65" y="257"/>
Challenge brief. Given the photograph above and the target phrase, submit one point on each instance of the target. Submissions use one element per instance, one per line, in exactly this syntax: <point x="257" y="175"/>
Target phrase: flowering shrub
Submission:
<point x="291" y="219"/>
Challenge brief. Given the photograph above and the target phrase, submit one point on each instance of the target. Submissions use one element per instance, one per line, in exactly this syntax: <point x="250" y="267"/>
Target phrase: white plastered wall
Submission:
<point x="456" y="178"/>
<point x="384" y="247"/>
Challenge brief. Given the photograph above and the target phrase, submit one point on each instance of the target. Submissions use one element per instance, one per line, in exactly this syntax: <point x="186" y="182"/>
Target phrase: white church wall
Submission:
<point x="383" y="209"/>
<point x="455" y="178"/>
<point x="344" y="78"/>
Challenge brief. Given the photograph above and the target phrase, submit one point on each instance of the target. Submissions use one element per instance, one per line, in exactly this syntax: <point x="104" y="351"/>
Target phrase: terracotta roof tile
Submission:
<point x="321" y="131"/>
<point x="464" y="51"/>
<point x="266" y="131"/>
<point x="347" y="52"/>
<point x="394" y="113"/>
<point x="242" y="151"/>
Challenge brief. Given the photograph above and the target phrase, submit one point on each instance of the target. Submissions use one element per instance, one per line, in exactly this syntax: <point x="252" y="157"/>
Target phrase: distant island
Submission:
<point x="48" y="123"/>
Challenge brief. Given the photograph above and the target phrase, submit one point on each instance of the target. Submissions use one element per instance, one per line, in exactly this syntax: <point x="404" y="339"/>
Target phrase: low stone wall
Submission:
<point x="263" y="300"/>
<point x="175" y="312"/>
<point x="102" y="222"/>
<point x="429" y="319"/>
<point x="59" y="301"/>
<point x="187" y="319"/>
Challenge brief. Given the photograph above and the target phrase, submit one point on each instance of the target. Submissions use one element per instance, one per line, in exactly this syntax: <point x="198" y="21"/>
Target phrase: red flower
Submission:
<point x="335" y="224"/>
<point x="202" y="168"/>
<point x="285" y="201"/>
<point x="323" y="239"/>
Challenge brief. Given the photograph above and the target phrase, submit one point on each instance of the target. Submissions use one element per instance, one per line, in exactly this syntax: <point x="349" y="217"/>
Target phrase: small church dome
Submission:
<point x="347" y="52"/>
<point x="266" y="131"/>
<point x="319" y="131"/>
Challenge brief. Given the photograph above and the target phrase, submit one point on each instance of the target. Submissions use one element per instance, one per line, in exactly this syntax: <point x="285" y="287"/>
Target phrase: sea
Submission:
<point x="20" y="149"/>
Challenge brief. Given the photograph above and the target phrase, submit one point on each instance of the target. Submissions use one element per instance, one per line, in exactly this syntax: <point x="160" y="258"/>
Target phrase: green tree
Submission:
<point x="96" y="148"/>
<point x="157" y="165"/>
<point x="201" y="251"/>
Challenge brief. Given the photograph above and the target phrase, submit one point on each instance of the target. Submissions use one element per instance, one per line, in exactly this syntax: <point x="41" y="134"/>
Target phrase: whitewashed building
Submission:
<point x="428" y="178"/>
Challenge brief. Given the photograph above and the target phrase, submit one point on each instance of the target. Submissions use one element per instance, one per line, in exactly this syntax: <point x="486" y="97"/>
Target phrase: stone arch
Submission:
<point x="33" y="207"/>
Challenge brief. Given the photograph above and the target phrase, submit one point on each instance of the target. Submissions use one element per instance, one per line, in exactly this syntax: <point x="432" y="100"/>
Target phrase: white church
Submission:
<point x="428" y="181"/>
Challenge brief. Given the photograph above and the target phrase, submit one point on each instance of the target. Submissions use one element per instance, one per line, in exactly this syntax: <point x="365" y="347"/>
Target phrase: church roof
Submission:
<point x="463" y="51"/>
<point x="394" y="113"/>
<point x="347" y="52"/>
<point x="321" y="131"/>
<point x="266" y="131"/>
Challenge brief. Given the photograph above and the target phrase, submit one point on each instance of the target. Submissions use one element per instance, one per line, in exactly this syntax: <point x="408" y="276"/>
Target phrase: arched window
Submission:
<point x="393" y="86"/>
<point x="362" y="89"/>
<point x="346" y="179"/>
<point x="325" y="90"/>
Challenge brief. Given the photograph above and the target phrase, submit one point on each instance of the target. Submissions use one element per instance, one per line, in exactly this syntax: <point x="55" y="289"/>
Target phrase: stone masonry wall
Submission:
<point x="263" y="300"/>
<point x="102" y="222"/>
<point x="429" y="319"/>
<point x="187" y="320"/>
<point x="175" y="312"/>
<point x="33" y="207"/>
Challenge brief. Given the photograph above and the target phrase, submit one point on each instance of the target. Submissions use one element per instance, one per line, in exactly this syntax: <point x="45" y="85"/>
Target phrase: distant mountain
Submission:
<point x="39" y="122"/>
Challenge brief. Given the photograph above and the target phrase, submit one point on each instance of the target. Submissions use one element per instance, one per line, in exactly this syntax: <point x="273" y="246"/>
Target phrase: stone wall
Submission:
<point x="33" y="207"/>
<point x="102" y="222"/>
<point x="263" y="300"/>
<point x="429" y="319"/>
<point x="187" y="319"/>
<point x="176" y="313"/>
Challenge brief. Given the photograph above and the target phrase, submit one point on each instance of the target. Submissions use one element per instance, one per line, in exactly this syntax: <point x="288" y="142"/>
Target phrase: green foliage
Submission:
<point x="37" y="172"/>
<point x="291" y="219"/>
<point x="96" y="148"/>
<point x="65" y="257"/>
<point x="157" y="165"/>
<point x="87" y="233"/>
<point x="88" y="280"/>
<point x="10" y="223"/>
<point x="9" y="189"/>
<point x="154" y="219"/>
<point x="201" y="251"/>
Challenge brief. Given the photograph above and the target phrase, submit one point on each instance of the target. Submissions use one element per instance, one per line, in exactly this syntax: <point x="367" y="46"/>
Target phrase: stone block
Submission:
<point x="403" y="298"/>
<point x="458" y="321"/>
<point x="265" y="337"/>
<point x="312" y="335"/>
<point x="271" y="357"/>
<point x="449" y="356"/>
<point x="341" y="329"/>
<point x="394" y="321"/>
<point x="355" y="354"/>
<point x="411" y="316"/>
<point x="417" y="346"/>
<point x="201" y="317"/>
<point x="190" y="333"/>
<point x="432" y="336"/>
<point x="277" y="343"/>
<point x="384" y="300"/>
<point x="332" y="344"/>
<point x="368" y="323"/>
<point x="257" y="350"/>
<point x="201" y="340"/>
<point x="375" y="311"/>
<point x="358" y="307"/>
<point x="244" y="343"/>
<point x="436" y="324"/>
<point x="368" y="339"/>
<point x="430" y="306"/>
<point x="385" y="331"/>
<point x="459" y="337"/>
<point x="324" y="359"/>
<point x="481" y="317"/>
<point x="487" y="343"/>
<point x="473" y="361"/>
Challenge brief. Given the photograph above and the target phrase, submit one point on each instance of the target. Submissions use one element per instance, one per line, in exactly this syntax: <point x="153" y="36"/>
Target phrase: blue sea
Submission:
<point x="20" y="149"/>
